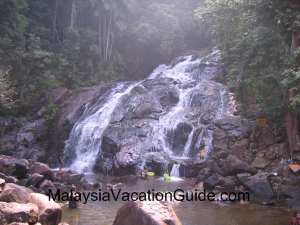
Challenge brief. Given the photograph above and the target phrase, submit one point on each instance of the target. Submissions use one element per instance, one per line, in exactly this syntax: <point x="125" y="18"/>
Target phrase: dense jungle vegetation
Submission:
<point x="259" y="40"/>
<point x="73" y="43"/>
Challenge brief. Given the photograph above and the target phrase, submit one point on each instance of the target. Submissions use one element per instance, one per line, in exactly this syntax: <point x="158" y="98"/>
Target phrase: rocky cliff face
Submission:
<point x="149" y="124"/>
<point x="39" y="139"/>
<point x="249" y="157"/>
<point x="179" y="114"/>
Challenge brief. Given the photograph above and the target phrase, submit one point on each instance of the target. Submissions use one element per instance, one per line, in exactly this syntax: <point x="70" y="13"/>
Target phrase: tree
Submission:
<point x="256" y="38"/>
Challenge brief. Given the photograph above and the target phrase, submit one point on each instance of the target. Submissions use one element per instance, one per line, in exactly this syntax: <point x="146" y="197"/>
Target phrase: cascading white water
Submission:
<point x="188" y="144"/>
<point x="177" y="114"/>
<point x="175" y="170"/>
<point x="86" y="136"/>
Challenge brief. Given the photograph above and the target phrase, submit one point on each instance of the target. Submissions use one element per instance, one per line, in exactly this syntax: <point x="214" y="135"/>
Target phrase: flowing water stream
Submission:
<point x="86" y="135"/>
<point x="198" y="96"/>
<point x="198" y="101"/>
<point x="190" y="213"/>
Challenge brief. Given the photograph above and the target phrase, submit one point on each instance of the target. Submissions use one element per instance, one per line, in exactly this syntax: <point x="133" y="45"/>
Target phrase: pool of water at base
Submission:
<point x="190" y="213"/>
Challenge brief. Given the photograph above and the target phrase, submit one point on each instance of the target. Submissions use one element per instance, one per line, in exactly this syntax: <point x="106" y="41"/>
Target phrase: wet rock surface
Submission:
<point x="243" y="152"/>
<point x="252" y="157"/>
<point x="146" y="213"/>
<point x="26" y="199"/>
<point x="14" y="193"/>
<point x="258" y="184"/>
<point x="49" y="212"/>
<point x="17" y="212"/>
<point x="34" y="138"/>
<point x="171" y="113"/>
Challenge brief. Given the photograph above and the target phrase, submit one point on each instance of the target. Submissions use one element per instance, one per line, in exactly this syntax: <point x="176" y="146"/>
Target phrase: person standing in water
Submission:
<point x="73" y="204"/>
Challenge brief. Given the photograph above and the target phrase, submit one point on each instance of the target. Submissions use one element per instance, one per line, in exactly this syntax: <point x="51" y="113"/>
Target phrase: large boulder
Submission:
<point x="146" y="213"/>
<point x="15" y="193"/>
<point x="69" y="177"/>
<point x="290" y="191"/>
<point x="35" y="180"/>
<point x="41" y="168"/>
<point x="127" y="158"/>
<point x="50" y="212"/>
<point x="211" y="181"/>
<point x="47" y="185"/>
<point x="119" y="156"/>
<point x="232" y="165"/>
<point x="17" y="223"/>
<point x="14" y="167"/>
<point x="8" y="179"/>
<point x="16" y="212"/>
<point x="155" y="162"/>
<point x="259" y="185"/>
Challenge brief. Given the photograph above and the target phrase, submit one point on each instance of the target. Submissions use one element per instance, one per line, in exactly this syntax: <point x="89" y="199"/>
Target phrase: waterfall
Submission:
<point x="175" y="170"/>
<point x="187" y="147"/>
<point x="201" y="100"/>
<point x="177" y="114"/>
<point x="85" y="137"/>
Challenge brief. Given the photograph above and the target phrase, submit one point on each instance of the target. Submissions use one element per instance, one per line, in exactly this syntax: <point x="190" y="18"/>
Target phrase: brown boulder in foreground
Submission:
<point x="16" y="212"/>
<point x="15" y="193"/>
<point x="49" y="211"/>
<point x="17" y="223"/>
<point x="146" y="213"/>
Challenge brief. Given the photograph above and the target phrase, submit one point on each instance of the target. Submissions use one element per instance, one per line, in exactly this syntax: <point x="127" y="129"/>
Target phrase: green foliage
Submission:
<point x="51" y="113"/>
<point x="76" y="43"/>
<point x="7" y="94"/>
<point x="254" y="37"/>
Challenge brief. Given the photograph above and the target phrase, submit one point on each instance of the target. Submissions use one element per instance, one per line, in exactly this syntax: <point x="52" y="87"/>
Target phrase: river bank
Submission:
<point x="189" y="213"/>
<point x="38" y="177"/>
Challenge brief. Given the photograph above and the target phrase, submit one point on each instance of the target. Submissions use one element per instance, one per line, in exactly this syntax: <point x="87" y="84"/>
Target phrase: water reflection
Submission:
<point x="190" y="213"/>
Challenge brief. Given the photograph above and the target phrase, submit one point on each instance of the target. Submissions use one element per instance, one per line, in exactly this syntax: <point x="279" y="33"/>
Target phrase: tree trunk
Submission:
<point x="54" y="23"/>
<point x="73" y="15"/>
<point x="295" y="40"/>
<point x="291" y="119"/>
<point x="292" y="132"/>
<point x="105" y="32"/>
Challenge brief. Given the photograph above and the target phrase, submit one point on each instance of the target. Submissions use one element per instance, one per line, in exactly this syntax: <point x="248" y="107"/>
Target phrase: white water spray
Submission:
<point x="86" y="136"/>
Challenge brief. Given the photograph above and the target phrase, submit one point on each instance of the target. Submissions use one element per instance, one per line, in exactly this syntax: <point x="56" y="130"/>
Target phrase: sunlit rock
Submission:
<point x="146" y="213"/>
